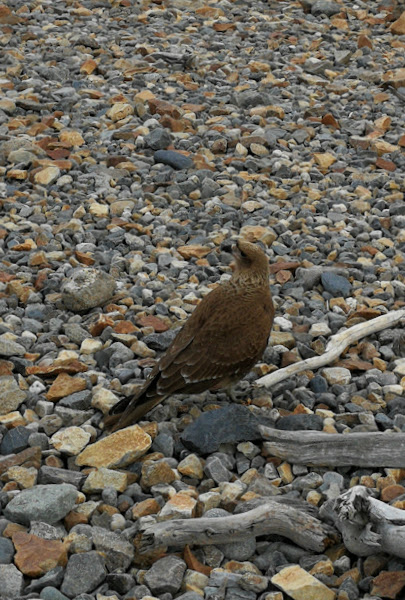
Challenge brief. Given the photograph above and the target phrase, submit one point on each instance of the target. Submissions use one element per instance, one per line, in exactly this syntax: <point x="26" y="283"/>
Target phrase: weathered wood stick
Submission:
<point x="269" y="518"/>
<point x="337" y="343"/>
<point x="315" y="448"/>
<point x="368" y="526"/>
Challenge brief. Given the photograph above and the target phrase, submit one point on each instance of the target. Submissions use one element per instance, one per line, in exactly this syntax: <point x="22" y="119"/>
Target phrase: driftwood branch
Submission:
<point x="336" y="345"/>
<point x="272" y="517"/>
<point x="315" y="448"/>
<point x="368" y="526"/>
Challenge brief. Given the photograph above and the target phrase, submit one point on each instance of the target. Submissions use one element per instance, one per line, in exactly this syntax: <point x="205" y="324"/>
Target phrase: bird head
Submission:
<point x="251" y="263"/>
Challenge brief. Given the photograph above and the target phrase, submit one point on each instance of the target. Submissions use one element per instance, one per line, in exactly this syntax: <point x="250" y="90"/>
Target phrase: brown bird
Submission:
<point x="221" y="341"/>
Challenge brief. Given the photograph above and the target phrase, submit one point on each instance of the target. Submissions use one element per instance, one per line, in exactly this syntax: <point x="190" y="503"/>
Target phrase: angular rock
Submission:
<point x="102" y="478"/>
<point x="48" y="503"/>
<point x="117" y="551"/>
<point x="10" y="395"/>
<point x="234" y="423"/>
<point x="71" y="440"/>
<point x="11" y="581"/>
<point x="165" y="575"/>
<point x="84" y="572"/>
<point x="336" y="284"/>
<point x="116" y="450"/>
<point x="36" y="556"/>
<point x="299" y="584"/>
<point x="87" y="288"/>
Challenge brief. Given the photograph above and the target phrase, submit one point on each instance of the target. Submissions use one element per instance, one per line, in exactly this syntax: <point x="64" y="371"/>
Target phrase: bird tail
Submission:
<point x="134" y="411"/>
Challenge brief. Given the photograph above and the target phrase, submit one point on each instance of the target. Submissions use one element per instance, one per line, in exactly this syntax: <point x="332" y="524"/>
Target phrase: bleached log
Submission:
<point x="368" y="526"/>
<point x="315" y="448"/>
<point x="336" y="345"/>
<point x="272" y="517"/>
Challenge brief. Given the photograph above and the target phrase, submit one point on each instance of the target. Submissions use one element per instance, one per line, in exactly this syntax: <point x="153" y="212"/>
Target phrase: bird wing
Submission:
<point x="220" y="342"/>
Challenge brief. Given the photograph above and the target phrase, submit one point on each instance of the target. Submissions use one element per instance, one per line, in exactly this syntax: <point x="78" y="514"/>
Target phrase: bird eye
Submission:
<point x="243" y="254"/>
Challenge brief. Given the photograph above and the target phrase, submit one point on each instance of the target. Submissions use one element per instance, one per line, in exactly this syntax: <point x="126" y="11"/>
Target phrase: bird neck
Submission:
<point x="250" y="279"/>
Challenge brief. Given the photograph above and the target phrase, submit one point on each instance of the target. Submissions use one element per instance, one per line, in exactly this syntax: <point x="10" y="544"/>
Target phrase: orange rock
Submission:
<point x="36" y="556"/>
<point x="100" y="325"/>
<point x="74" y="366"/>
<point x="146" y="507"/>
<point x="6" y="367"/>
<point x="398" y="26"/>
<point x="28" y="457"/>
<point x="392" y="491"/>
<point x="124" y="327"/>
<point x="64" y="385"/>
<point x="363" y="41"/>
<point x="162" y="107"/>
<point x="385" y="164"/>
<point x="151" y="321"/>
<point x="88" y="66"/>
<point x="193" y="251"/>
<point x="84" y="258"/>
<point x="388" y="584"/>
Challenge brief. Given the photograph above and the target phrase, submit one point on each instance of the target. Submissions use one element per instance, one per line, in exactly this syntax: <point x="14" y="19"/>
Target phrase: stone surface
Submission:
<point x="87" y="288"/>
<point x="35" y="556"/>
<point x="300" y="585"/>
<point x="165" y="575"/>
<point x="84" y="572"/>
<point x="102" y="477"/>
<point x="11" y="581"/>
<point x="230" y="424"/>
<point x="70" y="441"/>
<point x="116" y="450"/>
<point x="48" y="503"/>
<point x="11" y="396"/>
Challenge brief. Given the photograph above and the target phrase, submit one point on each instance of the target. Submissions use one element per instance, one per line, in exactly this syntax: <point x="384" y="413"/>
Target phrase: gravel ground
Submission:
<point x="136" y="138"/>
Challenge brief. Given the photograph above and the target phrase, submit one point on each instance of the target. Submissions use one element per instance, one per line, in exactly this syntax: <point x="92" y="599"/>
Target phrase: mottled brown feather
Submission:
<point x="222" y="340"/>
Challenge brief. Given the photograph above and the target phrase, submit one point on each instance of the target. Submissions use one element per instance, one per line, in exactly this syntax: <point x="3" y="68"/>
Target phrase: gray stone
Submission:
<point x="51" y="593"/>
<point x="15" y="440"/>
<point x="48" y="503"/>
<point x="165" y="575"/>
<point x="10" y="394"/>
<point x="52" y="578"/>
<point x="87" y="288"/>
<point x="158" y="139"/>
<point x="173" y="159"/>
<point x="234" y="423"/>
<point x="84" y="572"/>
<point x="325" y="7"/>
<point x="11" y="582"/>
<point x="242" y="550"/>
<point x="10" y="348"/>
<point x="77" y="401"/>
<point x="216" y="470"/>
<point x="336" y="284"/>
<point x="118" y="552"/>
<point x="301" y="421"/>
<point x="6" y="551"/>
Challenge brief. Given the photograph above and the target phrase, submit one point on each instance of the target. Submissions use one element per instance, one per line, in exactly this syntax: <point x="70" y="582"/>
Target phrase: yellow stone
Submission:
<point x="324" y="159"/>
<point x="25" y="477"/>
<point x="120" y="111"/>
<point x="300" y="585"/>
<point x="47" y="176"/>
<point x="116" y="450"/>
<point x="73" y="138"/>
<point x="102" y="478"/>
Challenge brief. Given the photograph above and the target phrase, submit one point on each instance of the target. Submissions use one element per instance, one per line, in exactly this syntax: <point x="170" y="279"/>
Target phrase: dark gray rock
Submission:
<point x="173" y="159"/>
<point x="77" y="401"/>
<point x="318" y="384"/>
<point x="325" y="7"/>
<point x="158" y="139"/>
<point x="84" y="572"/>
<point x="216" y="470"/>
<point x="51" y="593"/>
<point x="6" y="551"/>
<point x="52" y="579"/>
<point x="48" y="503"/>
<point x="336" y="284"/>
<point x="234" y="423"/>
<point x="297" y="422"/>
<point x="15" y="440"/>
<point x="118" y="552"/>
<point x="120" y="582"/>
<point x="165" y="575"/>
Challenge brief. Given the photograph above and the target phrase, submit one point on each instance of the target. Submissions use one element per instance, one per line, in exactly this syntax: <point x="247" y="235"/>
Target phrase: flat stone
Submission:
<point x="191" y="466"/>
<point x="11" y="581"/>
<point x="15" y="440"/>
<point x="71" y="440"/>
<point x="84" y="572"/>
<point x="10" y="348"/>
<point x="173" y="159"/>
<point x="165" y="575"/>
<point x="179" y="506"/>
<point x="338" y="375"/>
<point x="6" y="551"/>
<point x="35" y="555"/>
<point x="10" y="395"/>
<point x="300" y="585"/>
<point x="232" y="424"/>
<point x="48" y="503"/>
<point x="116" y="450"/>
<point x="388" y="584"/>
<point x="87" y="288"/>
<point x="65" y="385"/>
<point x="336" y="284"/>
<point x="102" y="478"/>
<point x="47" y="176"/>
<point x="157" y="472"/>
